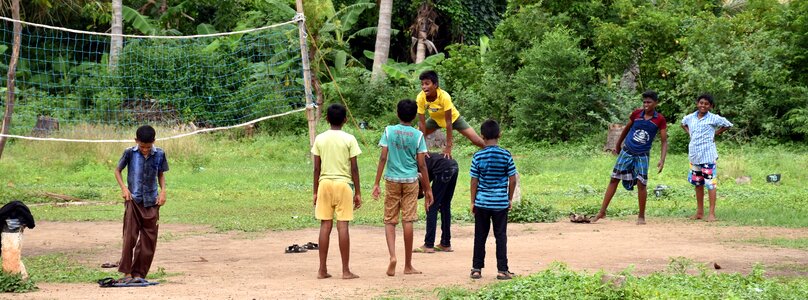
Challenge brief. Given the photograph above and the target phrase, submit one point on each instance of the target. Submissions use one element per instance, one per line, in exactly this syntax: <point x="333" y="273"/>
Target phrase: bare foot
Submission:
<point x="711" y="218"/>
<point x="410" y="270"/>
<point x="640" y="221"/>
<point x="597" y="217"/>
<point x="696" y="217"/>
<point x="391" y="268"/>
<point x="323" y="275"/>
<point x="349" y="275"/>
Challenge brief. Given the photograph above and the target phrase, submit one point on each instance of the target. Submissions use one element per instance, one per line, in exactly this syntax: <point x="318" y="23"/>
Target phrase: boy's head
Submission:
<point x="650" y="99"/>
<point x="144" y="136"/>
<point x="490" y="130"/>
<point x="704" y="103"/>
<point x="406" y="110"/>
<point x="429" y="82"/>
<point x="336" y="114"/>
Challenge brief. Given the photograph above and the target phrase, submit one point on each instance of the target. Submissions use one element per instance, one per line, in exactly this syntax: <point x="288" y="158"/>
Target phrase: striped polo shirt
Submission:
<point x="701" y="149"/>
<point x="492" y="166"/>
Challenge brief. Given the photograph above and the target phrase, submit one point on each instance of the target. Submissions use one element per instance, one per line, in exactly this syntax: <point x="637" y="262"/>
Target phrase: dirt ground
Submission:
<point x="236" y="265"/>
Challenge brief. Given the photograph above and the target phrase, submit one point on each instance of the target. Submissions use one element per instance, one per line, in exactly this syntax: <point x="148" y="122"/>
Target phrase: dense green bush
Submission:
<point x="555" y="89"/>
<point x="367" y="100"/>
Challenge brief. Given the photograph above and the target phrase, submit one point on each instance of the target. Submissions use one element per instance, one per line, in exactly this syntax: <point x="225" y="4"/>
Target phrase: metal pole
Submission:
<point x="304" y="54"/>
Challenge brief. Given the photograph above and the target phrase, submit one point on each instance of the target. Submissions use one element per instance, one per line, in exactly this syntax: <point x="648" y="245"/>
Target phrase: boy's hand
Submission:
<point x="314" y="202"/>
<point x="161" y="199"/>
<point x="473" y="211"/>
<point x="447" y="152"/>
<point x="126" y="195"/>
<point x="376" y="191"/>
<point x="428" y="200"/>
<point x="660" y="165"/>
<point x="617" y="149"/>
<point x="510" y="205"/>
<point x="357" y="201"/>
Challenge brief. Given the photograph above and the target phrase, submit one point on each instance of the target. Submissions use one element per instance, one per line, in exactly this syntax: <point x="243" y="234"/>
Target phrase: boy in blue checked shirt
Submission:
<point x="146" y="165"/>
<point x="703" y="127"/>
<point x="633" y="147"/>
<point x="493" y="180"/>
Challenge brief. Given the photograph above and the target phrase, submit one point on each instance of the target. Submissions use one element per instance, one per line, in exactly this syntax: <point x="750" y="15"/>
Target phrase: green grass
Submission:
<point x="58" y="268"/>
<point x="264" y="183"/>
<point x="798" y="243"/>
<point x="559" y="282"/>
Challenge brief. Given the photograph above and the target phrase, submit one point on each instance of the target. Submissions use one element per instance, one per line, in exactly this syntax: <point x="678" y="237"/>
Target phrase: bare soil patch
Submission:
<point x="236" y="265"/>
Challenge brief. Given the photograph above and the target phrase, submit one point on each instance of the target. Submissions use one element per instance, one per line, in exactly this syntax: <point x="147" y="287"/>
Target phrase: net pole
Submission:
<point x="304" y="56"/>
<point x="12" y="73"/>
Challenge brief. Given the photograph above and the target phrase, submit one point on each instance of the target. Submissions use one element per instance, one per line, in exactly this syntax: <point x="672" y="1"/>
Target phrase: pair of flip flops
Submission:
<point x="125" y="282"/>
<point x="295" y="248"/>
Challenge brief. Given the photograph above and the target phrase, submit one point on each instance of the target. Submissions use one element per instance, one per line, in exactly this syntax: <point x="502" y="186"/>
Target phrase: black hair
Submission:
<point x="490" y="129"/>
<point x="406" y="110"/>
<point x="145" y="134"/>
<point x="336" y="114"/>
<point x="651" y="94"/>
<point x="707" y="97"/>
<point x="431" y="75"/>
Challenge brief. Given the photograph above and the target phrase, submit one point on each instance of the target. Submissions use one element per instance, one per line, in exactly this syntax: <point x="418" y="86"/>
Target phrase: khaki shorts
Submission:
<point x="400" y="197"/>
<point x="459" y="124"/>
<point x="334" y="197"/>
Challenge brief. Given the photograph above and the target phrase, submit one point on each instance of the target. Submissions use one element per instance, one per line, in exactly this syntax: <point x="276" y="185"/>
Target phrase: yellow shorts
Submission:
<point x="334" y="197"/>
<point x="400" y="197"/>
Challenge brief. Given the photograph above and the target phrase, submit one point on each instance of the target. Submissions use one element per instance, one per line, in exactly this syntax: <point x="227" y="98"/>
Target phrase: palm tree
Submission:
<point x="116" y="42"/>
<point x="382" y="38"/>
<point x="423" y="28"/>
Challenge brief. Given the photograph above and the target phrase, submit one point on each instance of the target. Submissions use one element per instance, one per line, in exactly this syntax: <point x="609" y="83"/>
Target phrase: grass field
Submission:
<point x="234" y="183"/>
<point x="231" y="182"/>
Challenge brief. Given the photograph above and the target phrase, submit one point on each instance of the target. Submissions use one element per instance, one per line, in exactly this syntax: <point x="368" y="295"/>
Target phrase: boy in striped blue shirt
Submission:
<point x="493" y="180"/>
<point x="703" y="127"/>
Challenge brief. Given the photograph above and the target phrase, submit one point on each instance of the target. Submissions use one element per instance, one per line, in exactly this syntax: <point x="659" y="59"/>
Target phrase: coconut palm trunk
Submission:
<point x="116" y="42"/>
<point x="382" y="38"/>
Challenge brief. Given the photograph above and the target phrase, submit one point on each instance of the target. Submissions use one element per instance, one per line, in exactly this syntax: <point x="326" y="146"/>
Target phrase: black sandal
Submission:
<point x="505" y="275"/>
<point x="295" y="249"/>
<point x="476" y="274"/>
<point x="311" y="246"/>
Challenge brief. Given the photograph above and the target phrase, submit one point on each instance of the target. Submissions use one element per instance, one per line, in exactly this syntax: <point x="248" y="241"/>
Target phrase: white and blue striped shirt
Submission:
<point x="701" y="149"/>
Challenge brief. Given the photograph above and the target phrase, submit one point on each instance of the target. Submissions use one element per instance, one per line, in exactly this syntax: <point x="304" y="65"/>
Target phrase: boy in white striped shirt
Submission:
<point x="703" y="127"/>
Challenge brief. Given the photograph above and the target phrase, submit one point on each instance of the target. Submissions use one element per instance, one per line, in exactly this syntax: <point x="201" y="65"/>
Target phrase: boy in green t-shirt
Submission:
<point x="403" y="150"/>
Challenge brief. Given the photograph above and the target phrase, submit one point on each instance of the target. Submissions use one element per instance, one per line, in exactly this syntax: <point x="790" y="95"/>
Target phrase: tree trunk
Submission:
<point x="420" y="52"/>
<point x="116" y="41"/>
<point x="12" y="73"/>
<point x="382" y="38"/>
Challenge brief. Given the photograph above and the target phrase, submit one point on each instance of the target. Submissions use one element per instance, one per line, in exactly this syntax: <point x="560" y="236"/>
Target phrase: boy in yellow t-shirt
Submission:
<point x="442" y="113"/>
<point x="336" y="186"/>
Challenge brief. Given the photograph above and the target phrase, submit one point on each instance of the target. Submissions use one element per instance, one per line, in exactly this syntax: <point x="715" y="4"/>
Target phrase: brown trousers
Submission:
<point x="139" y="238"/>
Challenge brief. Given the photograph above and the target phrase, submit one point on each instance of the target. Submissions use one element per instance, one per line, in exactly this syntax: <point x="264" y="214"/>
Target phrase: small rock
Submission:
<point x="616" y="281"/>
<point x="716" y="266"/>
<point x="743" y="180"/>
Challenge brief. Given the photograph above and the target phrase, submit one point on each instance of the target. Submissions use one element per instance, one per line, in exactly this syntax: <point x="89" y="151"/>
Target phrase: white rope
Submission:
<point x="160" y="139"/>
<point x="294" y="20"/>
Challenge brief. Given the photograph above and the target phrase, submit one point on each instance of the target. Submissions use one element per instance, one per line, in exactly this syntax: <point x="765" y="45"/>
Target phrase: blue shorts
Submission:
<point x="631" y="168"/>
<point x="703" y="175"/>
